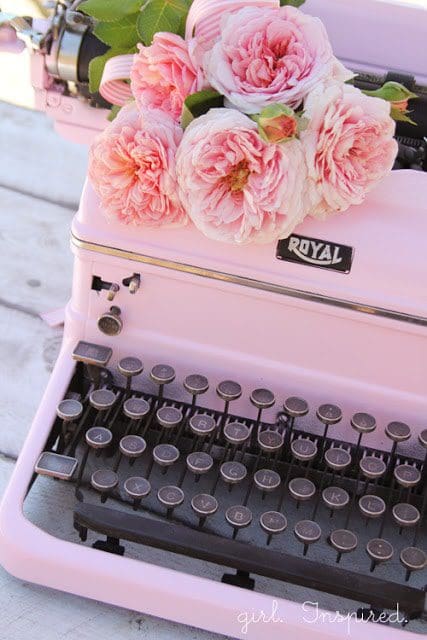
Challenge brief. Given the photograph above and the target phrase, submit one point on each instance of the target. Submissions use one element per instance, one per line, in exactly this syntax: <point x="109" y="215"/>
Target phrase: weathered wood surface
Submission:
<point x="40" y="180"/>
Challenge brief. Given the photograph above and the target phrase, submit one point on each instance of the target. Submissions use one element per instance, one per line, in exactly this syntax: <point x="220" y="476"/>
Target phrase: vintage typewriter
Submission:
<point x="237" y="431"/>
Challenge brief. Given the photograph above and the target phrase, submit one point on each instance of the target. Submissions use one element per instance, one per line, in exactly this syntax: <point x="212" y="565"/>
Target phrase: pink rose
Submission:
<point x="349" y="146"/>
<point x="132" y="168"/>
<point x="236" y="187"/>
<point x="270" y="55"/>
<point x="163" y="74"/>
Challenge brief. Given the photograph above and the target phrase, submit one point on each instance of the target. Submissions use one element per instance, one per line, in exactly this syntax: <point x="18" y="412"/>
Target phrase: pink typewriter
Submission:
<point x="238" y="434"/>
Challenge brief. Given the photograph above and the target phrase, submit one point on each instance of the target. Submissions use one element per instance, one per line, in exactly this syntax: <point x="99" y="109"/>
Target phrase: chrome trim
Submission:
<point x="300" y="294"/>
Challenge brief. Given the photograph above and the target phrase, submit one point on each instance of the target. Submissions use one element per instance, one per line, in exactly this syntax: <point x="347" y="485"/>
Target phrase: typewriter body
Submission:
<point x="238" y="434"/>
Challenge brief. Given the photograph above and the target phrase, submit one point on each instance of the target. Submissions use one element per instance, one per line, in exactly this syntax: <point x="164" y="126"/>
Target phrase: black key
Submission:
<point x="379" y="550"/>
<point x="136" y="408"/>
<point x="343" y="541"/>
<point x="273" y="523"/>
<point x="130" y="367"/>
<point x="372" y="506"/>
<point x="98" y="437"/>
<point x="372" y="467"/>
<point x="69" y="410"/>
<point x="303" y="449"/>
<point x="171" y="497"/>
<point x="335" y="498"/>
<point x="262" y="398"/>
<point x="266" y="480"/>
<point x="422" y="438"/>
<point x="398" y="431"/>
<point x="102" y="399"/>
<point x="204" y="505"/>
<point x="169" y="417"/>
<point x="229" y="390"/>
<point x="132" y="446"/>
<point x="363" y="423"/>
<point x="196" y="384"/>
<point x="301" y="489"/>
<point x="199" y="462"/>
<point x="337" y="459"/>
<point x="413" y="559"/>
<point x="233" y="472"/>
<point x="329" y="414"/>
<point x="238" y="517"/>
<point x="165" y="454"/>
<point x="56" y="466"/>
<point x="406" y="475"/>
<point x="295" y="407"/>
<point x="92" y="354"/>
<point x="406" y="515"/>
<point x="162" y="374"/>
<point x="236" y="433"/>
<point x="137" y="487"/>
<point x="270" y="441"/>
<point x="104" y="481"/>
<point x="307" y="532"/>
<point x="202" y="425"/>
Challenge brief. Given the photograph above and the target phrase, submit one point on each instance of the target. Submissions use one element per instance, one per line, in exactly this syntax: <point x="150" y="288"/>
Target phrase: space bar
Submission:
<point x="177" y="538"/>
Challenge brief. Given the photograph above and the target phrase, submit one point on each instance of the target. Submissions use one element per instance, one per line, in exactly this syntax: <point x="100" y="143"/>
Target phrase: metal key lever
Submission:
<point x="241" y="556"/>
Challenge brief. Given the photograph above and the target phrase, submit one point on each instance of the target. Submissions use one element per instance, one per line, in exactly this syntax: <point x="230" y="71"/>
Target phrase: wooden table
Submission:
<point x="41" y="176"/>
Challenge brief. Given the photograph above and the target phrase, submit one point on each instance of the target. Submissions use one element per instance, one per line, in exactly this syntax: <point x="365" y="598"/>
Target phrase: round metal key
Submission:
<point x="307" y="531"/>
<point x="273" y="522"/>
<point x="104" y="480"/>
<point x="405" y="514"/>
<point x="335" y="497"/>
<point x="329" y="414"/>
<point x="303" y="449"/>
<point x="162" y="374"/>
<point x="169" y="417"/>
<point x="372" y="467"/>
<point x="199" y="462"/>
<point x="337" y="459"/>
<point x="301" y="489"/>
<point x="102" y="399"/>
<point x="398" y="431"/>
<point x="136" y="408"/>
<point x="137" y="487"/>
<point x="170" y="496"/>
<point x="270" y="441"/>
<point x="98" y="437"/>
<point x="266" y="480"/>
<point x="363" y="422"/>
<point x="203" y="504"/>
<point x="233" y="472"/>
<point x="202" y="425"/>
<point x="130" y="366"/>
<point x="229" y="390"/>
<point x="295" y="407"/>
<point x="413" y="559"/>
<point x="343" y="540"/>
<point x="379" y="550"/>
<point x="165" y="454"/>
<point x="422" y="438"/>
<point x="406" y="475"/>
<point x="69" y="410"/>
<point x="196" y="384"/>
<point x="238" y="516"/>
<point x="132" y="446"/>
<point x="372" y="506"/>
<point x="236" y="433"/>
<point x="262" y="398"/>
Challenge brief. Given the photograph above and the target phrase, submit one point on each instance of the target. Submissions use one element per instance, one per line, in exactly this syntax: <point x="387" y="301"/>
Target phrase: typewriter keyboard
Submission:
<point x="265" y="503"/>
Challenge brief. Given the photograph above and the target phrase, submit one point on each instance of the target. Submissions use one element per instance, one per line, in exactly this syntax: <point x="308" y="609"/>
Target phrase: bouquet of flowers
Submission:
<point x="237" y="119"/>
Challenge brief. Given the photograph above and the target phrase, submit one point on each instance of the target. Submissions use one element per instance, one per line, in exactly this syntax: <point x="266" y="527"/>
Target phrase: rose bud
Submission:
<point x="277" y="123"/>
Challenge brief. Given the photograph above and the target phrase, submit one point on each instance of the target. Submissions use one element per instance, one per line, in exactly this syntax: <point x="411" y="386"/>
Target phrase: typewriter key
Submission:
<point x="273" y="522"/>
<point x="372" y="467"/>
<point x="204" y="505"/>
<point x="422" y="438"/>
<point x="130" y="367"/>
<point x="343" y="541"/>
<point x="238" y="517"/>
<point x="137" y="488"/>
<point x="136" y="408"/>
<point x="196" y="384"/>
<point x="98" y="437"/>
<point x="295" y="407"/>
<point x="236" y="433"/>
<point x="335" y="498"/>
<point x="261" y="399"/>
<point x="413" y="559"/>
<point x="104" y="481"/>
<point x="165" y="454"/>
<point x="202" y="425"/>
<point x="397" y="432"/>
<point x="102" y="399"/>
<point x="111" y="322"/>
<point x="379" y="550"/>
<point x="406" y="475"/>
<point x="162" y="374"/>
<point x="307" y="532"/>
<point x="372" y="506"/>
<point x="56" y="465"/>
<point x="301" y="489"/>
<point x="405" y="514"/>
<point x="337" y="459"/>
<point x="303" y="449"/>
<point x="362" y="423"/>
<point x="228" y="390"/>
<point x="132" y="446"/>
<point x="171" y="497"/>
<point x="329" y="414"/>
<point x="270" y="441"/>
<point x="169" y="417"/>
<point x="199" y="462"/>
<point x="92" y="354"/>
<point x="266" y="480"/>
<point x="233" y="472"/>
<point x="69" y="411"/>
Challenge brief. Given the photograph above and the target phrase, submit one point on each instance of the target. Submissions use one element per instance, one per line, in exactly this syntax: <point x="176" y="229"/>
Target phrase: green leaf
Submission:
<point x="114" y="112"/>
<point x="110" y="10"/>
<point x="293" y="3"/>
<point x="162" y="15"/>
<point x="197" y="104"/>
<point x="96" y="66"/>
<point x="401" y="116"/>
<point x="120" y="34"/>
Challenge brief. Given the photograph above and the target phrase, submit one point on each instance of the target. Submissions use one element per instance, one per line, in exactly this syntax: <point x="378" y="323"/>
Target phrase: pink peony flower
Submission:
<point x="236" y="187"/>
<point x="163" y="74"/>
<point x="270" y="55"/>
<point x="348" y="145"/>
<point x="132" y="168"/>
